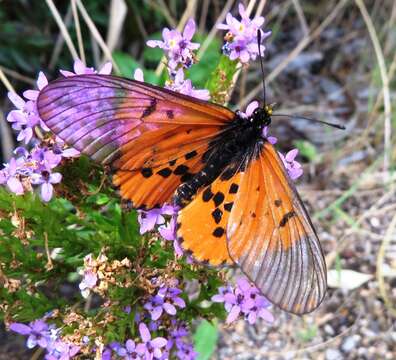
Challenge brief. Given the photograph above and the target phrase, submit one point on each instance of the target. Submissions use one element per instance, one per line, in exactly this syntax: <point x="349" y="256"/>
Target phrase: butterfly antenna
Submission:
<point x="337" y="126"/>
<point x="261" y="63"/>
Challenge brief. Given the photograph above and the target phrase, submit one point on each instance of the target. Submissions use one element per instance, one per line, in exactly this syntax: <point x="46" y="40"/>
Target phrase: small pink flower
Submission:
<point x="293" y="167"/>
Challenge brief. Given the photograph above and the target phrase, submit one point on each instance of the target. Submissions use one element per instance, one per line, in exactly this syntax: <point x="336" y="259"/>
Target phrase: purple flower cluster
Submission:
<point x="243" y="300"/>
<point x="165" y="218"/>
<point x="177" y="341"/>
<point x="179" y="51"/>
<point x="40" y="334"/>
<point x="178" y="47"/>
<point x="36" y="168"/>
<point x="166" y="300"/>
<point x="25" y="118"/>
<point x="241" y="38"/>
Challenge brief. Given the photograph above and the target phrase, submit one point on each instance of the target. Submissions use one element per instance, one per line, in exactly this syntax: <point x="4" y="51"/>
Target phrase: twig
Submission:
<point x="62" y="28"/>
<point x="295" y="52"/>
<point x="6" y="140"/>
<point x="49" y="265"/>
<point x="301" y="17"/>
<point x="60" y="41"/>
<point x="78" y="31"/>
<point x="384" y="78"/>
<point x="18" y="76"/>
<point x="95" y="33"/>
<point x="165" y="12"/>
<point x="118" y="11"/>
<point x="5" y="82"/>
<point x="204" y="14"/>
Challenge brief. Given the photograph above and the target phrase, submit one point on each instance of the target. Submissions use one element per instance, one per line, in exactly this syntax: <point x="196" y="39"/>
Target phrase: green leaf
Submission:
<point x="126" y="63"/>
<point x="205" y="340"/>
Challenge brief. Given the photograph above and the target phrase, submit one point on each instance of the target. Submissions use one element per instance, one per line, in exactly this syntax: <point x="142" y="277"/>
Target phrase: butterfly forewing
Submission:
<point x="154" y="138"/>
<point x="277" y="248"/>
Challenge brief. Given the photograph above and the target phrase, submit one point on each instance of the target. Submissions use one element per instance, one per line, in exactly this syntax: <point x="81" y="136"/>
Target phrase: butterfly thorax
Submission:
<point x="228" y="153"/>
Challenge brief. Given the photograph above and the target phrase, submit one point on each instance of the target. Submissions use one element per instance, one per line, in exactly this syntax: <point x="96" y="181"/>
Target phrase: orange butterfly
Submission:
<point x="237" y="202"/>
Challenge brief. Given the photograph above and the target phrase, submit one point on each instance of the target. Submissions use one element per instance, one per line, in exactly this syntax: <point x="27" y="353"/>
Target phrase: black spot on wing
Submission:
<point x="278" y="202"/>
<point x="233" y="188"/>
<point x="169" y="114"/>
<point x="165" y="172"/>
<point x="180" y="170"/>
<point x="190" y="155"/>
<point x="218" y="232"/>
<point x="146" y="172"/>
<point x="150" y="109"/>
<point x="228" y="206"/>
<point x="286" y="218"/>
<point x="172" y="162"/>
<point x="218" y="198"/>
<point x="207" y="194"/>
<point x="217" y="214"/>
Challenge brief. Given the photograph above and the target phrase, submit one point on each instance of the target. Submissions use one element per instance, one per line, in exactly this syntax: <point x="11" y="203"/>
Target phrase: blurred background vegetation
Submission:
<point x="330" y="59"/>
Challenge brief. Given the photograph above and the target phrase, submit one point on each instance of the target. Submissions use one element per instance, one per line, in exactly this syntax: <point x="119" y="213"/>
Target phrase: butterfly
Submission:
<point x="237" y="202"/>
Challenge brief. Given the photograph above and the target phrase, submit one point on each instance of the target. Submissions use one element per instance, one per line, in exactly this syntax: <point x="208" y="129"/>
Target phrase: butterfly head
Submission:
<point x="261" y="117"/>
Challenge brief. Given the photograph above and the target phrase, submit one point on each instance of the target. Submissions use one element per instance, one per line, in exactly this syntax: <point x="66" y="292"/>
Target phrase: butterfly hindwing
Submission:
<point x="277" y="248"/>
<point x="144" y="132"/>
<point x="202" y="223"/>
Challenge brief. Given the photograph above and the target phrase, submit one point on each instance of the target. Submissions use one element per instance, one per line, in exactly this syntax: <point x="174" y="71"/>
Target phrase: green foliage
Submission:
<point x="220" y="81"/>
<point x="307" y="150"/>
<point x="205" y="339"/>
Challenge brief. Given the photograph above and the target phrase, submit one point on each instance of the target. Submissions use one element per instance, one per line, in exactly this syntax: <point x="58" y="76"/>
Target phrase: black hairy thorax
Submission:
<point x="229" y="153"/>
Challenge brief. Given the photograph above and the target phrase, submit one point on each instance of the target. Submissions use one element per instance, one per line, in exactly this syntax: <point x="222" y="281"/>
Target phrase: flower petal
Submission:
<point x="20" y="328"/>
<point x="106" y="68"/>
<point x="158" y="342"/>
<point x="41" y="81"/>
<point x="46" y="191"/>
<point x="144" y="332"/>
<point x="234" y="313"/>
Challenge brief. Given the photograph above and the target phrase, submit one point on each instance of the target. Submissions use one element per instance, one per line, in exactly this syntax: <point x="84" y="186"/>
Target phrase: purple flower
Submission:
<point x="185" y="87"/>
<point x="177" y="47"/>
<point x="129" y="352"/>
<point x="10" y="176"/>
<point x="62" y="351"/>
<point x="88" y="282"/>
<point x="167" y="299"/>
<point x="80" y="69"/>
<point x="244" y="300"/>
<point x="186" y="352"/>
<point x="23" y="123"/>
<point x="242" y="36"/>
<point x="37" y="330"/>
<point x="148" y="219"/>
<point x="45" y="179"/>
<point x="150" y="348"/>
<point x="177" y="332"/>
<point x="293" y="167"/>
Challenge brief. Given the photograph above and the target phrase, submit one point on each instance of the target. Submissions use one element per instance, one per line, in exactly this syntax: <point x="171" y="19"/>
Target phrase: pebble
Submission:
<point x="333" y="354"/>
<point x="350" y="343"/>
